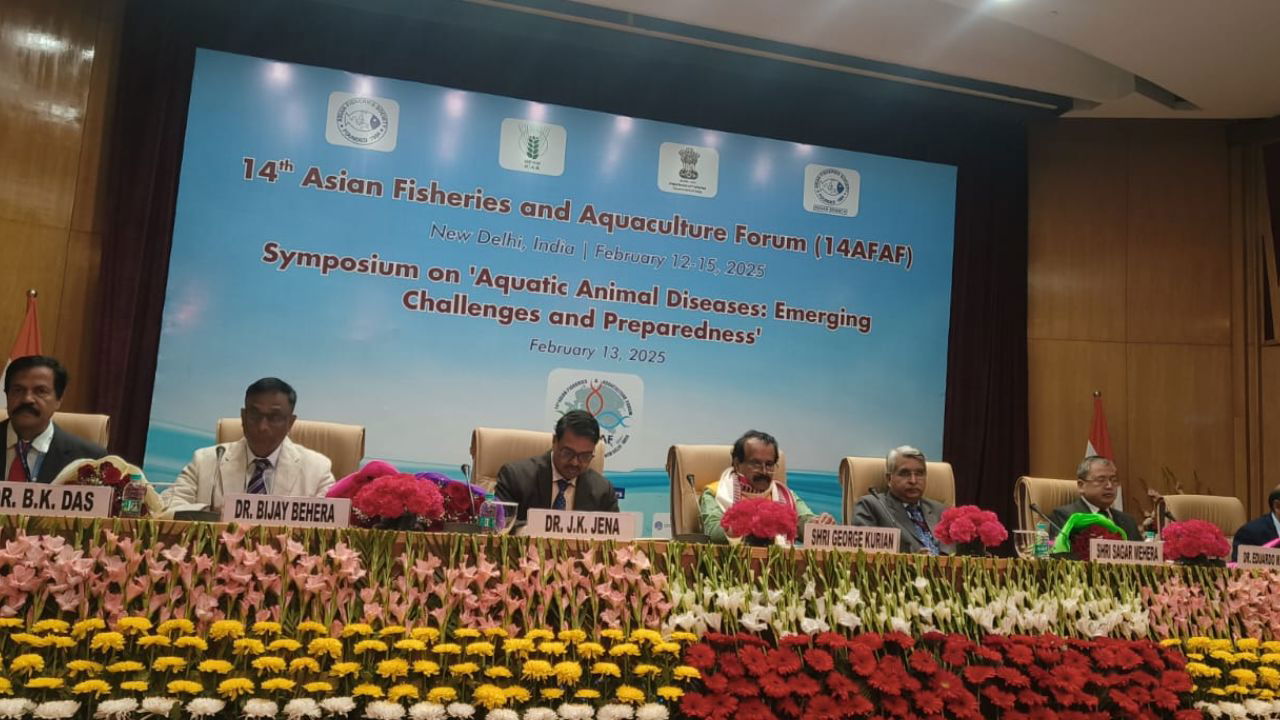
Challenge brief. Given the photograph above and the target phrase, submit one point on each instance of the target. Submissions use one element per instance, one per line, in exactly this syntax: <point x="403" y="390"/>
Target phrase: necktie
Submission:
<point x="258" y="483"/>
<point x="559" y="502"/>
<point x="16" y="472"/>
<point x="922" y="529"/>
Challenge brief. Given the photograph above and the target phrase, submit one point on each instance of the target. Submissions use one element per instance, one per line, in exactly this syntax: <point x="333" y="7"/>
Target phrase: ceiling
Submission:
<point x="1116" y="58"/>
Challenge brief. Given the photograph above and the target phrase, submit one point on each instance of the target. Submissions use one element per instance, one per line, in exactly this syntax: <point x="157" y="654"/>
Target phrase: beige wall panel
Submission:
<point x="1062" y="376"/>
<point x="1076" y="252"/>
<point x="1179" y="261"/>
<point x="35" y="257"/>
<point x="74" y="342"/>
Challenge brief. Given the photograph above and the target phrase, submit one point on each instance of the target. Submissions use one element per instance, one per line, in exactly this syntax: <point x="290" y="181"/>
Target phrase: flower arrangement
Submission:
<point x="113" y="472"/>
<point x="1235" y="677"/>
<point x="400" y="501"/>
<point x="760" y="520"/>
<point x="1194" y="542"/>
<point x="1080" y="539"/>
<point x="461" y="500"/>
<point x="970" y="529"/>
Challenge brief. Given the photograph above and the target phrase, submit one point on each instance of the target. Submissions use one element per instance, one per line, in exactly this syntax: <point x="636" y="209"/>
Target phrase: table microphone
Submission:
<point x="1036" y="509"/>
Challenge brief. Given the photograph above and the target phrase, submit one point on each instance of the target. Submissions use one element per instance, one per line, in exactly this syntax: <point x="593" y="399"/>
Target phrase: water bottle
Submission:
<point x="133" y="497"/>
<point x="1149" y="536"/>
<point x="488" y="519"/>
<point x="1042" y="541"/>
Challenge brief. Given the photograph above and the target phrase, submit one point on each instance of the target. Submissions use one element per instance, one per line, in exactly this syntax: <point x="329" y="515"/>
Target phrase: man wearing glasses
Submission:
<point x="755" y="460"/>
<point x="561" y="479"/>
<point x="264" y="462"/>
<point x="901" y="504"/>
<point x="1099" y="485"/>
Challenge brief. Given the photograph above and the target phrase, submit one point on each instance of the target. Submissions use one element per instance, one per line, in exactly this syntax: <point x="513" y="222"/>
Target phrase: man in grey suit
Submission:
<point x="1099" y="484"/>
<point x="561" y="479"/>
<point x="902" y="504"/>
<point x="36" y="448"/>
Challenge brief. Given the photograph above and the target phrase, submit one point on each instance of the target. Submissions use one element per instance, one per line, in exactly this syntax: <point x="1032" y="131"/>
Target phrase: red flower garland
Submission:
<point x="969" y="524"/>
<point x="760" y="518"/>
<point x="1194" y="539"/>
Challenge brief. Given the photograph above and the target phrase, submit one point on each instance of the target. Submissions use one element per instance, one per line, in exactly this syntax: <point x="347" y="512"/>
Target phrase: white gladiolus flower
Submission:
<point x="204" y="706"/>
<point x="119" y="709"/>
<point x="161" y="706"/>
<point x="651" y="711"/>
<point x="575" y="711"/>
<point x="539" y="713"/>
<point x="731" y="600"/>
<point x="502" y="714"/>
<point x="299" y="708"/>
<point x="55" y="710"/>
<point x="15" y="708"/>
<point x="810" y="591"/>
<point x="260" y="708"/>
<point x="920" y="583"/>
<point x="810" y="626"/>
<point x="338" y="705"/>
<point x="384" y="710"/>
<point x="853" y="598"/>
<point x="427" y="711"/>
<point x="898" y="624"/>
<point x="845" y="618"/>
<point x="460" y="710"/>
<point x="753" y="621"/>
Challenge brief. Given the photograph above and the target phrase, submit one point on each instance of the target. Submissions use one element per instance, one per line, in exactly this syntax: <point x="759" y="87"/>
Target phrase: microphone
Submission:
<point x="693" y="482"/>
<point x="218" y="452"/>
<point x="1168" y="515"/>
<point x="1036" y="509"/>
<point x="466" y="472"/>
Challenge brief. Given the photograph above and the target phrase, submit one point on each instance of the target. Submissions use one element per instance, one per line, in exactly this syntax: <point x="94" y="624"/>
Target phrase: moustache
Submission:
<point x="26" y="408"/>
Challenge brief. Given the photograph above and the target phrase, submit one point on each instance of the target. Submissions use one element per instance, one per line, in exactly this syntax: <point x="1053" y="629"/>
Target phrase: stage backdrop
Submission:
<point x="423" y="260"/>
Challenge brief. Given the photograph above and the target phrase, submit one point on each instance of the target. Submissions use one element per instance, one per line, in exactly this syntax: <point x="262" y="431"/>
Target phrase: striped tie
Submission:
<point x="559" y="502"/>
<point x="258" y="483"/>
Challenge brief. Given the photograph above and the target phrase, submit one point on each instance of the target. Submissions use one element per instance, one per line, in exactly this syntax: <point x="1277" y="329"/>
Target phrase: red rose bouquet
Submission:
<point x="400" y="502"/>
<point x="113" y="472"/>
<point x="1194" y="541"/>
<point x="760" y="519"/>
<point x="971" y="529"/>
<point x="1080" y="539"/>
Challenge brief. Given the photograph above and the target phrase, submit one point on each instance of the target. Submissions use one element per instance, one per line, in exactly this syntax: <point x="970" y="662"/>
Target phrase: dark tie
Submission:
<point x="18" y="471"/>
<point x="258" y="483"/>
<point x="559" y="503"/>
<point x="922" y="529"/>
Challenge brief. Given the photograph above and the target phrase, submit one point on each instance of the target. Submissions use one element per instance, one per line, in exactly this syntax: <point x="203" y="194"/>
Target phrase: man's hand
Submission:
<point x="824" y="519"/>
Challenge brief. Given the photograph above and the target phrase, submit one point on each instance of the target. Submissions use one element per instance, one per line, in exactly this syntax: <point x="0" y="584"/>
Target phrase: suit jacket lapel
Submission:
<point x="542" y="484"/>
<point x="54" y="458"/>
<point x="583" y="492"/>
<point x="288" y="471"/>
<point x="232" y="468"/>
<point x="900" y="517"/>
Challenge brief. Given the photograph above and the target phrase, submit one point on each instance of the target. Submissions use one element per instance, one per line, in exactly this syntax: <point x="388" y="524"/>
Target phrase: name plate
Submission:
<point x="1126" y="552"/>
<point x="851" y="538"/>
<point x="248" y="509"/>
<point x="18" y="498"/>
<point x="574" y="524"/>
<point x="1252" y="556"/>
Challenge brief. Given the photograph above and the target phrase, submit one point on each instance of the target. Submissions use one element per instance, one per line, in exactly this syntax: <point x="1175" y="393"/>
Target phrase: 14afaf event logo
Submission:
<point x="614" y="399"/>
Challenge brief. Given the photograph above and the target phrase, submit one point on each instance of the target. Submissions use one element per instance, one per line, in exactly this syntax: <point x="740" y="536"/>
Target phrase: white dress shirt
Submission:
<point x="36" y="450"/>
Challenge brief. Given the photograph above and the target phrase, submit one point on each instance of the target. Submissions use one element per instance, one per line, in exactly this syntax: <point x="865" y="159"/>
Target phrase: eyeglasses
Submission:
<point x="566" y="454"/>
<point x="253" y="417"/>
<point x="757" y="466"/>
<point x="1104" y="482"/>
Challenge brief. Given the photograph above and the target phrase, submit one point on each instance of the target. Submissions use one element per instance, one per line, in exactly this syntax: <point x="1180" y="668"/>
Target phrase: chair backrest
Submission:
<point x="1045" y="493"/>
<point x="342" y="444"/>
<point x="87" y="426"/>
<point x="491" y="448"/>
<point x="1227" y="513"/>
<point x="706" y="463"/>
<point x="858" y="475"/>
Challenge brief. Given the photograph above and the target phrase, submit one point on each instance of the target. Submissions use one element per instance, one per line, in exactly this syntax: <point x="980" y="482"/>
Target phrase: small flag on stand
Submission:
<point x="1100" y="440"/>
<point x="28" y="340"/>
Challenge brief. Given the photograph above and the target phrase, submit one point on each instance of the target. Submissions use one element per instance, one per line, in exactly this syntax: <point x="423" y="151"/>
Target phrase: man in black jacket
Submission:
<point x="1261" y="530"/>
<point x="36" y="449"/>
<point x="1099" y="485"/>
<point x="561" y="479"/>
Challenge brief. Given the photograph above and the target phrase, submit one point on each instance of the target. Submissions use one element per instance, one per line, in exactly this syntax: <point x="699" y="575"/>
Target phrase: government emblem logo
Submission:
<point x="533" y="147"/>
<point x="689" y="159"/>
<point x="688" y="169"/>
<point x="362" y="121"/>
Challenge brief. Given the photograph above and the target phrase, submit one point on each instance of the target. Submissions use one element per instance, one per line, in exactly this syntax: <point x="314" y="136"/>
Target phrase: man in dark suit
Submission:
<point x="1099" y="484"/>
<point x="1261" y="530"/>
<point x="902" y="504"/>
<point x="36" y="449"/>
<point x="561" y="479"/>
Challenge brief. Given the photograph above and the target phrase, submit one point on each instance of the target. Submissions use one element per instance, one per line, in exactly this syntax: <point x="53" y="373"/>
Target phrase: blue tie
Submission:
<point x="258" y="483"/>
<point x="559" y="503"/>
<point x="922" y="529"/>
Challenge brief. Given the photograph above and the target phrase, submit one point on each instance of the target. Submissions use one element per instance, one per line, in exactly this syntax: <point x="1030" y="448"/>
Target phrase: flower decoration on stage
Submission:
<point x="971" y="529"/>
<point x="1194" y="541"/>
<point x="461" y="500"/>
<point x="1079" y="529"/>
<point x="382" y="497"/>
<point x="113" y="472"/>
<point x="760" y="519"/>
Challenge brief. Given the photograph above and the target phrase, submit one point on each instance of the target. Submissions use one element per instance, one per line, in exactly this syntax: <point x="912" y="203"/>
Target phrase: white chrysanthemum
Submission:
<point x="427" y="711"/>
<point x="384" y="710"/>
<point x="15" y="708"/>
<point x="615" y="712"/>
<point x="502" y="714"/>
<point x="460" y="710"/>
<point x="299" y="708"/>
<point x="575" y="711"/>
<point x="338" y="705"/>
<point x="201" y="707"/>
<point x="652" y="711"/>
<point x="539" y="713"/>
<point x="260" y="708"/>
<point x="116" y="709"/>
<point x="161" y="706"/>
<point x="55" y="710"/>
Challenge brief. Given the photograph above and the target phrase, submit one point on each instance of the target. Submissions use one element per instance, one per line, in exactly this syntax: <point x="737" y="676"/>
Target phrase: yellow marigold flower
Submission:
<point x="1217" y="691"/>
<point x="653" y="637"/>
<point x="29" y="639"/>
<point x="551" y="693"/>
<point x="567" y="673"/>
<point x="590" y="650"/>
<point x="494" y="632"/>
<point x="88" y="667"/>
<point x="442" y="695"/>
<point x="551" y="648"/>
<point x="682" y="636"/>
<point x="357" y="629"/>
<point x="571" y="636"/>
<point x="97" y="687"/>
<point x="226" y="629"/>
<point x="84" y="627"/>
<point x="218" y="667"/>
<point x="1270" y="676"/>
<point x="686" y="672"/>
<point x="670" y="693"/>
<point x="325" y="646"/>
<point x="6" y="687"/>
<point x="343" y="669"/>
<point x="425" y="634"/>
<point x="319" y="687"/>
<point x="27" y="663"/>
<point x="370" y="645"/>
<point x="107" y="641"/>
<point x="147" y="641"/>
<point x="393" y="668"/>
<point x="489" y="696"/>
<point x="312" y="626"/>
<point x="667" y="647"/>
<point x="426" y="667"/>
<point x="629" y="694"/>
<point x="410" y="645"/>
<point x="367" y="690"/>
<point x="188" y="687"/>
<point x="466" y="633"/>
<point x="403" y="690"/>
<point x="232" y="688"/>
<point x="587" y="694"/>
<point x="1220" y="644"/>
<point x="62" y="642"/>
<point x="50" y="626"/>
<point x="11" y="623"/>
<point x="512" y="645"/>
<point x="1245" y="657"/>
<point x="191" y="641"/>
<point x="1248" y="644"/>
<point x="1170" y="642"/>
<point x="1266" y="695"/>
<point x="1195" y="656"/>
<point x="497" y="672"/>
<point x="1271" y="658"/>
<point x="630" y="649"/>
<point x="165" y="663"/>
<point x="283" y="645"/>
<point x="447" y="649"/>
<point x="267" y="627"/>
<point x="517" y="694"/>
<point x="133" y="625"/>
<point x="390" y="630"/>
<point x="1195" y="669"/>
<point x="1223" y="655"/>
<point x="466" y="669"/>
<point x="1271" y="646"/>
<point x="537" y="670"/>
<point x="1198" y="643"/>
<point x="139" y="686"/>
<point x="179" y="625"/>
<point x="480" y="648"/>
<point x="302" y="664"/>
<point x="278" y="683"/>
<point x="124" y="666"/>
<point x="269" y="663"/>
<point x="606" y="668"/>
<point x="44" y="683"/>
<point x="1244" y="677"/>
<point x="612" y="634"/>
<point x="1237" y="689"/>
<point x="248" y="646"/>
<point x="539" y="634"/>
<point x="645" y="670"/>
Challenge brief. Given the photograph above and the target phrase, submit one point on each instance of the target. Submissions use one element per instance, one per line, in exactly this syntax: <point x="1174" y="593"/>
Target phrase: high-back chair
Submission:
<point x="87" y="426"/>
<point x="1045" y="493"/>
<point x="1227" y="513"/>
<point x="691" y="469"/>
<point x="491" y="448"/>
<point x="858" y="475"/>
<point x="343" y="444"/>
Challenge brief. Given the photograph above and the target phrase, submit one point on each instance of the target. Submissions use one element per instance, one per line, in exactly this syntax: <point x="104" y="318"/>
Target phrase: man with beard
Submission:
<point x="36" y="449"/>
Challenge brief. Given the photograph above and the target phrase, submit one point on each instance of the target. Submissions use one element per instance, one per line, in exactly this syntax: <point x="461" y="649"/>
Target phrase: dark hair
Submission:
<point x="581" y="423"/>
<point x="1274" y="497"/>
<point x="739" y="452"/>
<point x="273" y="385"/>
<point x="28" y="362"/>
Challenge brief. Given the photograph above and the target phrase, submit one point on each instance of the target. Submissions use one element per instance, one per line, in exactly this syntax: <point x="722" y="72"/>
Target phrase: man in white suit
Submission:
<point x="264" y="462"/>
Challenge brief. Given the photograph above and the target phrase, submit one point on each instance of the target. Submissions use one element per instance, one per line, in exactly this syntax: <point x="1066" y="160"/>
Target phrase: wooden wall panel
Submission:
<point x="1063" y="374"/>
<point x="1270" y="372"/>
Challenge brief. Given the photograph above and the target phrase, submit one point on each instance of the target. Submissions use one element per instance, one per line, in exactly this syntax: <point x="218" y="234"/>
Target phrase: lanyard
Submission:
<point x="21" y="448"/>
